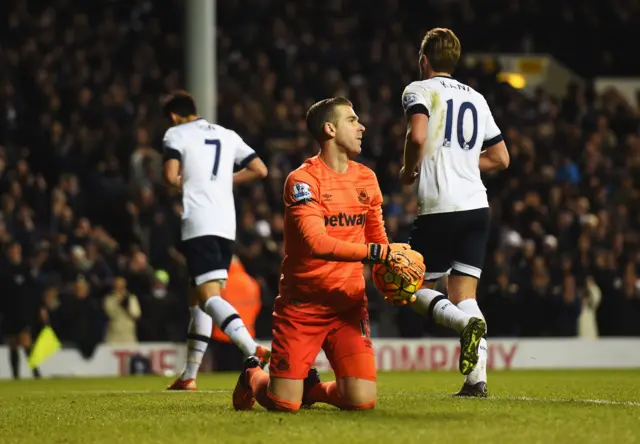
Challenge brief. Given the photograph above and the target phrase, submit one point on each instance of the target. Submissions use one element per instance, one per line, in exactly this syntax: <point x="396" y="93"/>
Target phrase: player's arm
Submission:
<point x="414" y="141"/>
<point x="495" y="156"/>
<point x="374" y="229"/>
<point x="172" y="172"/>
<point x="251" y="166"/>
<point x="416" y="109"/>
<point x="254" y="170"/>
<point x="172" y="156"/>
<point x="303" y="209"/>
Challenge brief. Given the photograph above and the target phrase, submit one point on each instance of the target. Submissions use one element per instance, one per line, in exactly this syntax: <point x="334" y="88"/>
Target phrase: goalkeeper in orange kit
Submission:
<point x="333" y="225"/>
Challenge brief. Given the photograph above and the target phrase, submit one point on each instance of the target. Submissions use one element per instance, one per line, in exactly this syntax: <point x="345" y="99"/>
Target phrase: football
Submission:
<point x="393" y="286"/>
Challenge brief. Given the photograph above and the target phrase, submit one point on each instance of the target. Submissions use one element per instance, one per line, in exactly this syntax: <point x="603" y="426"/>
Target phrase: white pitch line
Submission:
<point x="526" y="399"/>
<point x="426" y="395"/>
<point x="565" y="400"/>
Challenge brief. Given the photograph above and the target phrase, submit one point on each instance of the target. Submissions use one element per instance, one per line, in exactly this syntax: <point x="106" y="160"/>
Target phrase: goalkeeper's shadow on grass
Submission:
<point x="381" y="412"/>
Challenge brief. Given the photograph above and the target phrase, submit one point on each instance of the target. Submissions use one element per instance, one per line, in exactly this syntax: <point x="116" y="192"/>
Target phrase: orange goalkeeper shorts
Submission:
<point x="298" y="338"/>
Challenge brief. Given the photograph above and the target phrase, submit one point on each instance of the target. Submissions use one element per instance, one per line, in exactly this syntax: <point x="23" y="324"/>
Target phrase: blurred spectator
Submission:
<point x="83" y="318"/>
<point x="162" y="309"/>
<point x="588" y="326"/>
<point x="19" y="306"/>
<point x="51" y="314"/>
<point x="123" y="311"/>
<point x="81" y="128"/>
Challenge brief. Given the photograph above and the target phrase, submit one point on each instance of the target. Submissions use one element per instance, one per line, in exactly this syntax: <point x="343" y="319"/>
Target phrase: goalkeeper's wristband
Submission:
<point x="376" y="254"/>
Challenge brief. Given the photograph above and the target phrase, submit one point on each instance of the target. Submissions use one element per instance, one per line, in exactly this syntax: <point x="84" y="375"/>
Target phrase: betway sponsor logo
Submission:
<point x="345" y="220"/>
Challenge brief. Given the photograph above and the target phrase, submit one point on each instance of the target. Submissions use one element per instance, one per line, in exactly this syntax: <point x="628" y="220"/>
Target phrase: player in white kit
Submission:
<point x="199" y="158"/>
<point x="451" y="138"/>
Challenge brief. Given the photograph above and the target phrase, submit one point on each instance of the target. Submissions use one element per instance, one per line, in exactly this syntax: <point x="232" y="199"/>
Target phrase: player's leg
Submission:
<point x="10" y="328"/>
<point x="200" y="326"/>
<point x="26" y="342"/>
<point x="18" y="335"/>
<point x="295" y="346"/>
<point x="430" y="237"/>
<point x="208" y="260"/>
<point x="434" y="237"/>
<point x="350" y="352"/>
<point x="463" y="284"/>
<point x="228" y="320"/>
<point x="293" y="351"/>
<point x="345" y="393"/>
<point x="274" y="393"/>
<point x="210" y="271"/>
<point x="14" y="355"/>
<point x="435" y="306"/>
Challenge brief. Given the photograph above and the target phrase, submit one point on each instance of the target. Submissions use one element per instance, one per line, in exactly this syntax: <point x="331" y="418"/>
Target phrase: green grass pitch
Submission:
<point x="524" y="407"/>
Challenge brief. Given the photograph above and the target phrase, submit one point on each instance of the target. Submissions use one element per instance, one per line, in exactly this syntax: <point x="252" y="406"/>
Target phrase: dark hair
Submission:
<point x="180" y="103"/>
<point x="442" y="49"/>
<point x="323" y="112"/>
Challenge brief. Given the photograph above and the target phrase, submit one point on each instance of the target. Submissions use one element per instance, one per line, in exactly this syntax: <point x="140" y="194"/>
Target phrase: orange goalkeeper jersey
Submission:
<point x="329" y="218"/>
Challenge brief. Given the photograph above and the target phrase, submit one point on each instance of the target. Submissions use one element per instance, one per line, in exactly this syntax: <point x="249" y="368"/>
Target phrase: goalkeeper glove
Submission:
<point x="378" y="253"/>
<point x="393" y="256"/>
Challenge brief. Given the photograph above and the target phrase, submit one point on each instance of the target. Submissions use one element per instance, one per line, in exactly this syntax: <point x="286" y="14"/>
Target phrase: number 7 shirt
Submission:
<point x="207" y="155"/>
<point x="460" y="127"/>
<point x="329" y="219"/>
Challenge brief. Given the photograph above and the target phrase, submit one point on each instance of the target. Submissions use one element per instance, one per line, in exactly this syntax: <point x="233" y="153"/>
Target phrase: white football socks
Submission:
<point x="228" y="320"/>
<point x="444" y="312"/>
<point x="479" y="374"/>
<point x="470" y="307"/>
<point x="197" y="341"/>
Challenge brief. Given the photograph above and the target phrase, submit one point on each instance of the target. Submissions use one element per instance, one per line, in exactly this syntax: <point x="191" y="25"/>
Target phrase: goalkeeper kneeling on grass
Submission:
<point x="333" y="225"/>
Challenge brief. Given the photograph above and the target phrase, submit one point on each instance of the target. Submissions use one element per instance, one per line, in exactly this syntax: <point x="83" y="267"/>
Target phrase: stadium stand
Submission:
<point x="80" y="161"/>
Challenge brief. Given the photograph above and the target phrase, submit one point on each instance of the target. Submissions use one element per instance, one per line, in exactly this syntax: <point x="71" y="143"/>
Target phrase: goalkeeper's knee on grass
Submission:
<point x="365" y="406"/>
<point x="282" y="405"/>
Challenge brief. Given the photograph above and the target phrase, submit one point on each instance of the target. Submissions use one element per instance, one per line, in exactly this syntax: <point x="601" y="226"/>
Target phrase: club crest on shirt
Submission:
<point x="363" y="196"/>
<point x="301" y="191"/>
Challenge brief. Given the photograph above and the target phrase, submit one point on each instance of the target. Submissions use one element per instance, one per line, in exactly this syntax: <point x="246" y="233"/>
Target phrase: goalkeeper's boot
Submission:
<point x="312" y="379"/>
<point x="477" y="390"/>
<point x="263" y="354"/>
<point x="180" y="384"/>
<point x="243" y="398"/>
<point x="469" y="344"/>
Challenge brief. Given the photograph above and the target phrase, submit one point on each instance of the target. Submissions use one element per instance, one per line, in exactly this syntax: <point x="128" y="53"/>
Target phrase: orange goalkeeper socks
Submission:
<point x="327" y="392"/>
<point x="259" y="383"/>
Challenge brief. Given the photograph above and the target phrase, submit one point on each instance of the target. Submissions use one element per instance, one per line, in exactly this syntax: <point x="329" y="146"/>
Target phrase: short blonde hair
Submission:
<point x="442" y="49"/>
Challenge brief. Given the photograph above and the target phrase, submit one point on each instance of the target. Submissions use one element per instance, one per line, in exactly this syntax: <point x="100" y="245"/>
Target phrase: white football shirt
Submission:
<point x="207" y="154"/>
<point x="460" y="127"/>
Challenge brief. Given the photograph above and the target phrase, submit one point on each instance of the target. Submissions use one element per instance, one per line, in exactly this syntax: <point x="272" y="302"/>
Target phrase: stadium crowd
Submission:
<point x="82" y="200"/>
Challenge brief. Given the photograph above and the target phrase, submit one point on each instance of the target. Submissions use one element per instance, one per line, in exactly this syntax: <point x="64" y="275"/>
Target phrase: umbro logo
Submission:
<point x="327" y="196"/>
